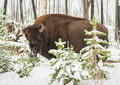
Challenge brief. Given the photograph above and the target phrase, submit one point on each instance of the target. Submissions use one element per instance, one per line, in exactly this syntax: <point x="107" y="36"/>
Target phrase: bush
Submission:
<point x="67" y="67"/>
<point x="6" y="63"/>
<point x="25" y="64"/>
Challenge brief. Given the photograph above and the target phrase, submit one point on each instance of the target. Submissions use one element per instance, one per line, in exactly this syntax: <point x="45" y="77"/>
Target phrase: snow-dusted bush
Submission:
<point x="12" y="49"/>
<point x="94" y="54"/>
<point x="24" y="64"/>
<point x="66" y="67"/>
<point x="6" y="63"/>
<point x="3" y="29"/>
<point x="10" y="30"/>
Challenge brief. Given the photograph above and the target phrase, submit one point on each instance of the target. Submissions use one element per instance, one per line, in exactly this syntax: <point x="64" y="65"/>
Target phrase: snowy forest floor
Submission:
<point x="40" y="75"/>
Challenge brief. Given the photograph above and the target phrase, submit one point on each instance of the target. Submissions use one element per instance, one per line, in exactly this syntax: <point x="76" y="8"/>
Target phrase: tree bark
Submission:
<point x="21" y="10"/>
<point x="101" y="11"/>
<point x="86" y="13"/>
<point x="34" y="9"/>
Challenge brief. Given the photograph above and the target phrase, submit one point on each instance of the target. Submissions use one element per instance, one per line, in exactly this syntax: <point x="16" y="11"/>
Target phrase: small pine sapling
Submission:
<point x="67" y="67"/>
<point x="94" y="53"/>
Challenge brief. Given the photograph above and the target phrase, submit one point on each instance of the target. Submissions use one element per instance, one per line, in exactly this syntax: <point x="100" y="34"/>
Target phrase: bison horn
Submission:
<point x="42" y="28"/>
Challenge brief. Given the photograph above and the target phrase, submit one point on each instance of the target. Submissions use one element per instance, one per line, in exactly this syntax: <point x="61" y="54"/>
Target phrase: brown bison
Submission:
<point x="48" y="28"/>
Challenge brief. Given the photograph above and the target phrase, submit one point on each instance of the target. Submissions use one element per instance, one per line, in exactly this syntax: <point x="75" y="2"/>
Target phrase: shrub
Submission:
<point x="67" y="67"/>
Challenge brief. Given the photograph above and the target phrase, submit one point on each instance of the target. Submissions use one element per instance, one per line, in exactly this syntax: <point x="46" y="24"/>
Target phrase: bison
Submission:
<point x="48" y="28"/>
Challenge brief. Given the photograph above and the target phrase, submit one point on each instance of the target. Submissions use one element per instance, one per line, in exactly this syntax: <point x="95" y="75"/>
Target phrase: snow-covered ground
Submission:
<point x="40" y="75"/>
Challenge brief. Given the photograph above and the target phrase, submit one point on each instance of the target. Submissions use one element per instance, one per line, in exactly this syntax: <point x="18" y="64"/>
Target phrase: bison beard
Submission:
<point x="49" y="28"/>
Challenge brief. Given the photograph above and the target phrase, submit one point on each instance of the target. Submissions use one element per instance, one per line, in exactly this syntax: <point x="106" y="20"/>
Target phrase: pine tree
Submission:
<point x="94" y="51"/>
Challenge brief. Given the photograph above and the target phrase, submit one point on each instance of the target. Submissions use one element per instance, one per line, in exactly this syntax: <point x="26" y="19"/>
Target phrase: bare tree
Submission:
<point x="58" y="7"/>
<point x="5" y="7"/>
<point x="17" y="11"/>
<point x="85" y="4"/>
<point x="39" y="8"/>
<point x="92" y="9"/>
<point x="43" y="7"/>
<point x="119" y="21"/>
<point x="25" y="10"/>
<point x="13" y="9"/>
<point x="21" y="10"/>
<point x="49" y="6"/>
<point x="116" y="21"/>
<point x="53" y="6"/>
<point x="86" y="13"/>
<point x="101" y="11"/>
<point x="34" y="10"/>
<point x="66" y="6"/>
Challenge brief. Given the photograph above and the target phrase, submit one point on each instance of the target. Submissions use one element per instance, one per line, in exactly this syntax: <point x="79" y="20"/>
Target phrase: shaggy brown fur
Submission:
<point x="59" y="26"/>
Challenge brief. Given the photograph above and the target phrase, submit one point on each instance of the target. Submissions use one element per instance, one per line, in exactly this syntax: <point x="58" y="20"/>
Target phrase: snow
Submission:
<point x="40" y="75"/>
<point x="11" y="43"/>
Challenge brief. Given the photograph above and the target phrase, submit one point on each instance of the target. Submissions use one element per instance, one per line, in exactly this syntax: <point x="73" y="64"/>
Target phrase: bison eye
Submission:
<point x="31" y="43"/>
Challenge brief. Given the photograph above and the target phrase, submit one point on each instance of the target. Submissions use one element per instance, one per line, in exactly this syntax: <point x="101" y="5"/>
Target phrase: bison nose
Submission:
<point x="33" y="54"/>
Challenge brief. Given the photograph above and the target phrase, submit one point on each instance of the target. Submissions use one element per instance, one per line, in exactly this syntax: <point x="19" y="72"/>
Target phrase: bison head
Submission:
<point x="35" y="34"/>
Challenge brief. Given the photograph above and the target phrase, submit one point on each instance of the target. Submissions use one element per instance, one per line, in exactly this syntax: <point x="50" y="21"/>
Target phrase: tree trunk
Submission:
<point x="43" y="7"/>
<point x="92" y="9"/>
<point x="118" y="15"/>
<point x="101" y="11"/>
<point x="21" y="10"/>
<point x="39" y="8"/>
<point x="116" y="21"/>
<point x="17" y="11"/>
<point x="49" y="6"/>
<point x="53" y="6"/>
<point x="85" y="4"/>
<point x="13" y="9"/>
<point x="25" y="10"/>
<point x="86" y="13"/>
<point x="34" y="9"/>
<point x="66" y="6"/>
<point x="58" y="7"/>
<point x="5" y="7"/>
